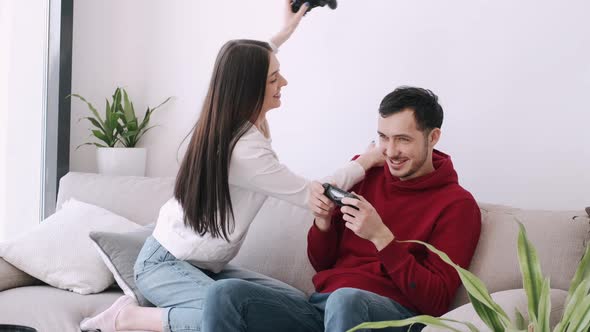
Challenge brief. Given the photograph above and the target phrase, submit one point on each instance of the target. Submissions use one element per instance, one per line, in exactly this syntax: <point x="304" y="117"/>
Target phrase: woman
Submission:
<point x="228" y="172"/>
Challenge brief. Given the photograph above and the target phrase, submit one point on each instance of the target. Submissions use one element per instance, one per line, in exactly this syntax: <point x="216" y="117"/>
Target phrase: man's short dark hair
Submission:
<point x="427" y="111"/>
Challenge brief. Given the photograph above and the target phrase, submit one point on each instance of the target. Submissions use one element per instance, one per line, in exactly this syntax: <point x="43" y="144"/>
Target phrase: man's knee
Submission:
<point x="227" y="292"/>
<point x="347" y="300"/>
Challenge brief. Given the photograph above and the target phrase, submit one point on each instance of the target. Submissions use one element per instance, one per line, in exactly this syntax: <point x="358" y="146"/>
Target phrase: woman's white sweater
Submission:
<point x="255" y="174"/>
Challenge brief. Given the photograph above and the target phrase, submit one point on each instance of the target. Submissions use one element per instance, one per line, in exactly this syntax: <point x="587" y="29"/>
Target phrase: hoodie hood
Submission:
<point x="444" y="174"/>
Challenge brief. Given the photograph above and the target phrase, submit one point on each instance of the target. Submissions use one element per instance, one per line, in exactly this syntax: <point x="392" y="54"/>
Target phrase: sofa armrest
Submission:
<point x="11" y="277"/>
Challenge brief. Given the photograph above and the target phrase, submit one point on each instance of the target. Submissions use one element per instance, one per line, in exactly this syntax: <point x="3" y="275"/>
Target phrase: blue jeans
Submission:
<point x="180" y="288"/>
<point x="240" y="305"/>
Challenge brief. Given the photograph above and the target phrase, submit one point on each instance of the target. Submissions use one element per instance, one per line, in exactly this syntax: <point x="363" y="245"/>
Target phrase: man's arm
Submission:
<point x="430" y="284"/>
<point x="322" y="247"/>
<point x="323" y="236"/>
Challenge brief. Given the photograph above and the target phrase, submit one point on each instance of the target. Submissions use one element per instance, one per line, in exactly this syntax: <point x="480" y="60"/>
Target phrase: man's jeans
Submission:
<point x="180" y="287"/>
<point x="240" y="305"/>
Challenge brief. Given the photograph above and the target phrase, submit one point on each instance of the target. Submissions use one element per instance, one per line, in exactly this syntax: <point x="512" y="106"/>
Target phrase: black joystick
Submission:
<point x="336" y="195"/>
<point x="296" y="4"/>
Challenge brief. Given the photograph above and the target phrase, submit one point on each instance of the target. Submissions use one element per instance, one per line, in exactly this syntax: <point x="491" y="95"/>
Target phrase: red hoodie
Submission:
<point x="432" y="208"/>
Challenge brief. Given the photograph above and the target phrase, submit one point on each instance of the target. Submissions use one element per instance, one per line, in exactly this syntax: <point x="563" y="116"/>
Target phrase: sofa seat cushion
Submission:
<point x="508" y="300"/>
<point x="50" y="309"/>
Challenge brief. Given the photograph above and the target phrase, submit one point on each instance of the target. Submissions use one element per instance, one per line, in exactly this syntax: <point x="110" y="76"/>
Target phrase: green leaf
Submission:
<point x="94" y="122"/>
<point x="162" y="103"/>
<point x="574" y="302"/>
<point x="532" y="278"/>
<point x="96" y="144"/>
<point x="487" y="315"/>
<point x="424" y="319"/>
<point x="544" y="310"/>
<point x="582" y="273"/>
<point x="143" y="132"/>
<point x="148" y="113"/>
<point x="495" y="318"/>
<point x="101" y="136"/>
<point x="128" y="108"/>
<point x="520" y="323"/>
<point x="92" y="109"/>
<point x="146" y="119"/>
<point x="580" y="318"/>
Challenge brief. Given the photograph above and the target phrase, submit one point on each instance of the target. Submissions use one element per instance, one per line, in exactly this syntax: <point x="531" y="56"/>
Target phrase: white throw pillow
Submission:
<point x="60" y="253"/>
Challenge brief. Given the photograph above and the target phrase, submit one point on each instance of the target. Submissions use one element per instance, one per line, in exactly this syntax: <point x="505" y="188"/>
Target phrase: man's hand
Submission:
<point x="291" y="22"/>
<point x="321" y="206"/>
<point x="366" y="222"/>
<point x="372" y="157"/>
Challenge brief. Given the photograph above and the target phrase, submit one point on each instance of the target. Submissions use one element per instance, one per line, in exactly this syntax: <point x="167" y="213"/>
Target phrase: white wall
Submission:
<point x="512" y="76"/>
<point x="23" y="36"/>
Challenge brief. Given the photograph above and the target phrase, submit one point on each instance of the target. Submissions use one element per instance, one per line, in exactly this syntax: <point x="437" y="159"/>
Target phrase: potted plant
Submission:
<point x="119" y="132"/>
<point x="576" y="314"/>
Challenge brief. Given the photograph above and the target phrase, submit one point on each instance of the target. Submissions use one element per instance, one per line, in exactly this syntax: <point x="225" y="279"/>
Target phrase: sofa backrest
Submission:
<point x="136" y="198"/>
<point x="277" y="239"/>
<point x="560" y="238"/>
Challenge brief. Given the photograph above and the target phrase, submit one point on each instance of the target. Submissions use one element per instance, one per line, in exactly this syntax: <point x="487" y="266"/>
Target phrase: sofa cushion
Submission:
<point x="276" y="244"/>
<point x="559" y="237"/>
<point x="509" y="300"/>
<point x="119" y="252"/>
<point x="135" y="198"/>
<point x="49" y="309"/>
<point x="59" y="252"/>
<point x="11" y="277"/>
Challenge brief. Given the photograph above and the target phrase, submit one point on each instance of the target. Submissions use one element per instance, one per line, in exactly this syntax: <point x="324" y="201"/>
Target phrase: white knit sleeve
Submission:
<point x="257" y="168"/>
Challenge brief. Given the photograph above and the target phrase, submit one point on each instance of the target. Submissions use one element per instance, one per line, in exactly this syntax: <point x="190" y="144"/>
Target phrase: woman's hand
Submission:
<point x="291" y="22"/>
<point x="372" y="157"/>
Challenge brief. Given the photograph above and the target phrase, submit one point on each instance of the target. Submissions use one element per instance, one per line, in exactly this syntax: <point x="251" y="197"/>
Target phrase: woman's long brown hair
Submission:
<point x="233" y="102"/>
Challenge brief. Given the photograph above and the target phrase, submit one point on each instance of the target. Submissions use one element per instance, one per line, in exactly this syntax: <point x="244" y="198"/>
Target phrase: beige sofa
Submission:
<point x="276" y="246"/>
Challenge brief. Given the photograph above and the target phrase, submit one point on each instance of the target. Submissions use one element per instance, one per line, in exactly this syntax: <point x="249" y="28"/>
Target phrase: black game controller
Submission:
<point x="296" y="4"/>
<point x="336" y="195"/>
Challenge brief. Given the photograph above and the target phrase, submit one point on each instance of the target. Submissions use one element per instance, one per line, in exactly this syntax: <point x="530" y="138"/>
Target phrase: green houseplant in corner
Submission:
<point x="118" y="134"/>
<point x="576" y="314"/>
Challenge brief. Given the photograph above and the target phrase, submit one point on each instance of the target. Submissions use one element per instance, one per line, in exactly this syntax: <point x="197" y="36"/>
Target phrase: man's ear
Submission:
<point x="434" y="136"/>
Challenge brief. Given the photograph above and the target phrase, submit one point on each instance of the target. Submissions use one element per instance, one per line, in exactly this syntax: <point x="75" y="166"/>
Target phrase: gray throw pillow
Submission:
<point x="588" y="211"/>
<point x="119" y="252"/>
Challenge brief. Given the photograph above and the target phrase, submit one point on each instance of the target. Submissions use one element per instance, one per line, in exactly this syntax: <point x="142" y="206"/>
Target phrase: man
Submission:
<point x="364" y="272"/>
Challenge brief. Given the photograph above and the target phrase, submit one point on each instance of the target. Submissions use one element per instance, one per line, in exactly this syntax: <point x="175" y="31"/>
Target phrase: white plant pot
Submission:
<point x="121" y="161"/>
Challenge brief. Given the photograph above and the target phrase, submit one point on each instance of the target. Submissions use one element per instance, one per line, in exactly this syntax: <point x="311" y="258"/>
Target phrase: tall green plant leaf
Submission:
<point x="573" y="303"/>
<point x="92" y="109"/>
<point x="424" y="319"/>
<point x="582" y="273"/>
<point x="544" y="310"/>
<point x="128" y="108"/>
<point x="493" y="315"/>
<point x="487" y="315"/>
<point x="520" y="322"/>
<point x="94" y="123"/>
<point x="580" y="318"/>
<point x="530" y="268"/>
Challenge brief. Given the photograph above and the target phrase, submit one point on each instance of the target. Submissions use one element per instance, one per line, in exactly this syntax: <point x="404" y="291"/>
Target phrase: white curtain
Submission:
<point x="23" y="36"/>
